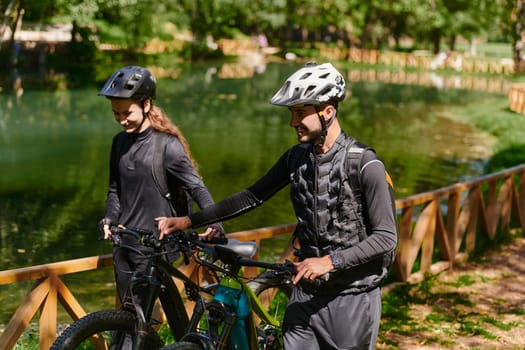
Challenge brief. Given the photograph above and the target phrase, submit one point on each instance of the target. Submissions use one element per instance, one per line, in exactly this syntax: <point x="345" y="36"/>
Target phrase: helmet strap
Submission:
<point x="324" y="125"/>
<point x="144" y="117"/>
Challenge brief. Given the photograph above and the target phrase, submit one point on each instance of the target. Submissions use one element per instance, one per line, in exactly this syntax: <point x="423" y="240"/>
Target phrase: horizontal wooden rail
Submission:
<point x="447" y="221"/>
<point x="419" y="59"/>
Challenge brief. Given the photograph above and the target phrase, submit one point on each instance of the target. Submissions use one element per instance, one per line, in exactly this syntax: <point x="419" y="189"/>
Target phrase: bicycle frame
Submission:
<point x="161" y="285"/>
<point x="221" y="317"/>
<point x="229" y="316"/>
<point x="170" y="298"/>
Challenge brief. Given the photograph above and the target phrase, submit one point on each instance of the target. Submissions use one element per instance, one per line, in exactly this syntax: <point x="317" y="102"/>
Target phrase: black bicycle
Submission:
<point x="132" y="326"/>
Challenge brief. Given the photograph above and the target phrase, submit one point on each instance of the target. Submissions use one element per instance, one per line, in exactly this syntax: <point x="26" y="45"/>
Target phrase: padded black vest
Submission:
<point x="326" y="196"/>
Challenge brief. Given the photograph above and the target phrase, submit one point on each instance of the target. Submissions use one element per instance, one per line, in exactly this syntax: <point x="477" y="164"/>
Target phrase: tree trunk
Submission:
<point x="435" y="37"/>
<point x="5" y="18"/>
<point x="452" y="42"/>
<point x="11" y="45"/>
<point x="518" y="42"/>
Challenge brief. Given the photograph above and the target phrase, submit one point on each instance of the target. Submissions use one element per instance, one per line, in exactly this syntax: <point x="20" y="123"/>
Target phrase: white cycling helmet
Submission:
<point x="313" y="84"/>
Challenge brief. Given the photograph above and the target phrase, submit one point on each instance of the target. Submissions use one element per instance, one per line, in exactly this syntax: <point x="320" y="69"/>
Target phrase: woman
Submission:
<point x="134" y="200"/>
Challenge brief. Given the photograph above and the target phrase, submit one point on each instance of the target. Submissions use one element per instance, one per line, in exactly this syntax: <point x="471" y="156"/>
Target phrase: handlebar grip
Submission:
<point x="218" y="240"/>
<point x="145" y="236"/>
<point x="321" y="279"/>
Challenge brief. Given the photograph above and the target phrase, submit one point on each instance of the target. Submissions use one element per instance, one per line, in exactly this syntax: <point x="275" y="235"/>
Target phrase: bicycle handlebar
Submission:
<point x="190" y="240"/>
<point x="148" y="238"/>
<point x="219" y="251"/>
<point x="286" y="267"/>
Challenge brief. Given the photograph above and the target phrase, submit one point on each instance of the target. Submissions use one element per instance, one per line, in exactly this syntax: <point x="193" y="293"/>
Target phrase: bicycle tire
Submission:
<point x="96" y="331"/>
<point x="268" y="282"/>
<point x="183" y="345"/>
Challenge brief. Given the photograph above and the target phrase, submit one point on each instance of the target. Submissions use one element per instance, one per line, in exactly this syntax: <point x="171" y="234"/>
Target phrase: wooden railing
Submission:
<point x="451" y="217"/>
<point x="492" y="84"/>
<point x="422" y="60"/>
<point x="517" y="98"/>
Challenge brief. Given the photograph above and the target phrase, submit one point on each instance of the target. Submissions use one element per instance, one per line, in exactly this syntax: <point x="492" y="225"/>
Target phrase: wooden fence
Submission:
<point x="517" y="98"/>
<point x="436" y="230"/>
<point x="497" y="85"/>
<point x="421" y="60"/>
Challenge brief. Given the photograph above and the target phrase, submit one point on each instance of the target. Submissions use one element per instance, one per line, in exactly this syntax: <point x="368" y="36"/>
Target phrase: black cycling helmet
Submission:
<point x="313" y="84"/>
<point x="130" y="82"/>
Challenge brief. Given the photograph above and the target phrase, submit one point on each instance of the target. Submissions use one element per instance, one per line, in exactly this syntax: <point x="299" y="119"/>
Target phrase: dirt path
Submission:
<point x="479" y="305"/>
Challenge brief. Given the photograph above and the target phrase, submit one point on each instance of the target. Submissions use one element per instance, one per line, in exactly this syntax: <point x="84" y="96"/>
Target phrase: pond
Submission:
<point x="54" y="148"/>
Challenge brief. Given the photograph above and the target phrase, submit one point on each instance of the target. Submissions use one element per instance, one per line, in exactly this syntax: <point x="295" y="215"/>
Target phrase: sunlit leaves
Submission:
<point x="363" y="23"/>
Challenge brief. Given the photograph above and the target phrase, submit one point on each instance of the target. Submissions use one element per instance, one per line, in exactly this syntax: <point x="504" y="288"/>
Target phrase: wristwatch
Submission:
<point x="337" y="260"/>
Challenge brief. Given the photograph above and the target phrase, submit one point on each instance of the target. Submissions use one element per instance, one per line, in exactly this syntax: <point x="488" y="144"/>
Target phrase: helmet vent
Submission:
<point x="324" y="76"/>
<point x="309" y="90"/>
<point x="305" y="76"/>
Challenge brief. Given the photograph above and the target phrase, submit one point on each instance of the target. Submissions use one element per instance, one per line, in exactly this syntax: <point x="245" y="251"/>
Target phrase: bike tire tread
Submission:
<point x="100" y="321"/>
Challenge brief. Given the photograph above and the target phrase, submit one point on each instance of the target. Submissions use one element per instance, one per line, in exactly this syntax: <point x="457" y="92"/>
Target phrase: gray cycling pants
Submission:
<point x="320" y="322"/>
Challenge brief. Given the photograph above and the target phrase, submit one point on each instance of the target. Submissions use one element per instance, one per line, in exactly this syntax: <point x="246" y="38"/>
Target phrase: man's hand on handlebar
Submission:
<point x="312" y="268"/>
<point x="211" y="233"/>
<point x="168" y="225"/>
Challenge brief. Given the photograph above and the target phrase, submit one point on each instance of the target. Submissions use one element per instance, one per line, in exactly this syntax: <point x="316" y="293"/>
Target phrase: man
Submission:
<point x="346" y="228"/>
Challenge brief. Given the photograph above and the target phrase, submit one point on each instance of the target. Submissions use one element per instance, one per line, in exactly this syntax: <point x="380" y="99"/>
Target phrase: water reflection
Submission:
<point x="54" y="148"/>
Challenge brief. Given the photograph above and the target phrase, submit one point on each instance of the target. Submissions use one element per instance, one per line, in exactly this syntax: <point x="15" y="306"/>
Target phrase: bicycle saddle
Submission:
<point x="246" y="249"/>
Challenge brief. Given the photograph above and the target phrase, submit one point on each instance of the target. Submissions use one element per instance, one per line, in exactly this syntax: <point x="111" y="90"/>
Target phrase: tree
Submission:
<point x="12" y="18"/>
<point x="517" y="18"/>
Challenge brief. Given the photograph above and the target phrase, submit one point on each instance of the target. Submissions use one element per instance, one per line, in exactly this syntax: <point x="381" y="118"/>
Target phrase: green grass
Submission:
<point x="490" y="49"/>
<point x="493" y="116"/>
<point x="451" y="312"/>
<point x="29" y="340"/>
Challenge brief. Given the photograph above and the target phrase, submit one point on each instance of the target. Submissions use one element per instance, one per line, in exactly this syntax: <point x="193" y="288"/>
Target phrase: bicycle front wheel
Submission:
<point x="106" y="329"/>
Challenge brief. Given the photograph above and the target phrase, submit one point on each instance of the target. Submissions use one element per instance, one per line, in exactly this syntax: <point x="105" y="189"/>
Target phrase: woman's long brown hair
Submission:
<point x="160" y="121"/>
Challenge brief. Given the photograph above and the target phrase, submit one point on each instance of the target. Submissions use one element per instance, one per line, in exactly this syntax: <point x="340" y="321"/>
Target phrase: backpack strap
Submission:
<point x="157" y="166"/>
<point x="353" y="165"/>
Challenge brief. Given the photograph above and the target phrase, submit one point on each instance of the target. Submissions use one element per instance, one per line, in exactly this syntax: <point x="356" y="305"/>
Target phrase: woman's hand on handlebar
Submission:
<point x="105" y="226"/>
<point x="167" y="225"/>
<point x="312" y="268"/>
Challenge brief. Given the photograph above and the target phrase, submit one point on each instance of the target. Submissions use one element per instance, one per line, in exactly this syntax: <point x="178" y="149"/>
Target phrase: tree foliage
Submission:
<point x="369" y="24"/>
